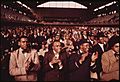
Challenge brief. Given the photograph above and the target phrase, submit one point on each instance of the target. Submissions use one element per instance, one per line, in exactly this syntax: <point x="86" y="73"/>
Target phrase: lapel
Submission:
<point x="28" y="57"/>
<point x="100" y="49"/>
<point x="21" y="59"/>
<point x="51" y="55"/>
<point x="61" y="56"/>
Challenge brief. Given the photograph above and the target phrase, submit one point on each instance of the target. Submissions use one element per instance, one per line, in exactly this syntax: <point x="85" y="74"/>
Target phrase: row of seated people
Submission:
<point x="41" y="39"/>
<point x="62" y="20"/>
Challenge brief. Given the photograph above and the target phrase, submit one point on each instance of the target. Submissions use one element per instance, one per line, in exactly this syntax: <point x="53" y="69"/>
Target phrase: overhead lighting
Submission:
<point x="111" y="3"/>
<point x="23" y="5"/>
<point x="37" y="2"/>
<point x="89" y="3"/>
<point x="62" y="4"/>
<point x="95" y="9"/>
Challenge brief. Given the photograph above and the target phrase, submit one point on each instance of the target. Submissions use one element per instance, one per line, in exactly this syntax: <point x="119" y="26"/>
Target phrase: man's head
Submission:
<point x="101" y="40"/>
<point x="57" y="37"/>
<point x="56" y="46"/>
<point x="100" y="37"/>
<point x="23" y="42"/>
<point x="106" y="39"/>
<point x="116" y="47"/>
<point x="66" y="36"/>
<point x="69" y="45"/>
<point x="114" y="43"/>
<point x="84" y="45"/>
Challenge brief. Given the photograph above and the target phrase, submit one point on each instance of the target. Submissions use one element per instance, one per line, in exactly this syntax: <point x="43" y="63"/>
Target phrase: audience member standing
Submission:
<point x="110" y="61"/>
<point x="54" y="63"/>
<point x="24" y="62"/>
<point x="79" y="63"/>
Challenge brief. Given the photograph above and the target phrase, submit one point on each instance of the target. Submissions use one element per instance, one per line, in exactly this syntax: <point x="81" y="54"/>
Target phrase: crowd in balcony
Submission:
<point x="12" y="15"/>
<point x="107" y="19"/>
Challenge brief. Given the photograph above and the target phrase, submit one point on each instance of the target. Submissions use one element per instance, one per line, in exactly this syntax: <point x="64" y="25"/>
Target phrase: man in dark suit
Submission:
<point x="100" y="49"/>
<point x="54" y="63"/>
<point x="79" y="63"/>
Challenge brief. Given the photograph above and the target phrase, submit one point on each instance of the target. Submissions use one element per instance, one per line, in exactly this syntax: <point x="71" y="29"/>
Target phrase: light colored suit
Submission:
<point x="17" y="68"/>
<point x="110" y="66"/>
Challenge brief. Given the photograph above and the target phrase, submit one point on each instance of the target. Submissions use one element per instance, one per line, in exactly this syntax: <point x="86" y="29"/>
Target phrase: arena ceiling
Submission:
<point x="90" y="4"/>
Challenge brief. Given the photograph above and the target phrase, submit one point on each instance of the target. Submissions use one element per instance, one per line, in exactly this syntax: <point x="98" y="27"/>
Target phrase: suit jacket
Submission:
<point x="17" y="68"/>
<point x="98" y="61"/>
<point x="54" y="74"/>
<point x="81" y="73"/>
<point x="110" y="66"/>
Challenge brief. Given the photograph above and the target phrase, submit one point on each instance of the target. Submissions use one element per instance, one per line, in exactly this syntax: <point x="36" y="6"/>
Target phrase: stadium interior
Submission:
<point x="23" y="15"/>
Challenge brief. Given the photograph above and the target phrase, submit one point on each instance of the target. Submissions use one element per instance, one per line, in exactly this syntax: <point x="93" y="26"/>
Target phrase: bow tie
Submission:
<point x="25" y="51"/>
<point x="116" y="54"/>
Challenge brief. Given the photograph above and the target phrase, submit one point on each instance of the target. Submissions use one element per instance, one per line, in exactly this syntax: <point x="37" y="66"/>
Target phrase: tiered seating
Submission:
<point x="114" y="18"/>
<point x="12" y="15"/>
<point x="63" y="20"/>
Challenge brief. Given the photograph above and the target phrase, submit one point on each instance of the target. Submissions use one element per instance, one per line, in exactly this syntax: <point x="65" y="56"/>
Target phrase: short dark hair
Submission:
<point x="22" y="37"/>
<point x="82" y="41"/>
<point x="113" y="40"/>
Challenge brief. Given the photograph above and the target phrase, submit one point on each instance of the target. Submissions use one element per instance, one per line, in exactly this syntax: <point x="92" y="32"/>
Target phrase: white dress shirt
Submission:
<point x="102" y="46"/>
<point x="57" y="56"/>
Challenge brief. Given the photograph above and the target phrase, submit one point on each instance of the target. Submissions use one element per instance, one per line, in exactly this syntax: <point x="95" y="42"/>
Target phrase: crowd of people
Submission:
<point x="61" y="53"/>
<point x="110" y="18"/>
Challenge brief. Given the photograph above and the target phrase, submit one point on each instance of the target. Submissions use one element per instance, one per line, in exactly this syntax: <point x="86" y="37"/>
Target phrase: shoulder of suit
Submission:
<point x="15" y="51"/>
<point x="96" y="45"/>
<point x="49" y="52"/>
<point x="107" y="53"/>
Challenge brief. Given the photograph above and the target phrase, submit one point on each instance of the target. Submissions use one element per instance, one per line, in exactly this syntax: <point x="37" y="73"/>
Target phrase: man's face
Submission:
<point x="116" y="47"/>
<point x="57" y="46"/>
<point x="66" y="37"/>
<point x="70" y="45"/>
<point x="101" y="40"/>
<point x="92" y="37"/>
<point x="23" y="43"/>
<point x="85" y="47"/>
<point x="57" y="37"/>
<point x="106" y="39"/>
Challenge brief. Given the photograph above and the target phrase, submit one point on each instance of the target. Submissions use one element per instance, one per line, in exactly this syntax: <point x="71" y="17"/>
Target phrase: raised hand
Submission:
<point x="83" y="58"/>
<point x="94" y="56"/>
<point x="55" y="60"/>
